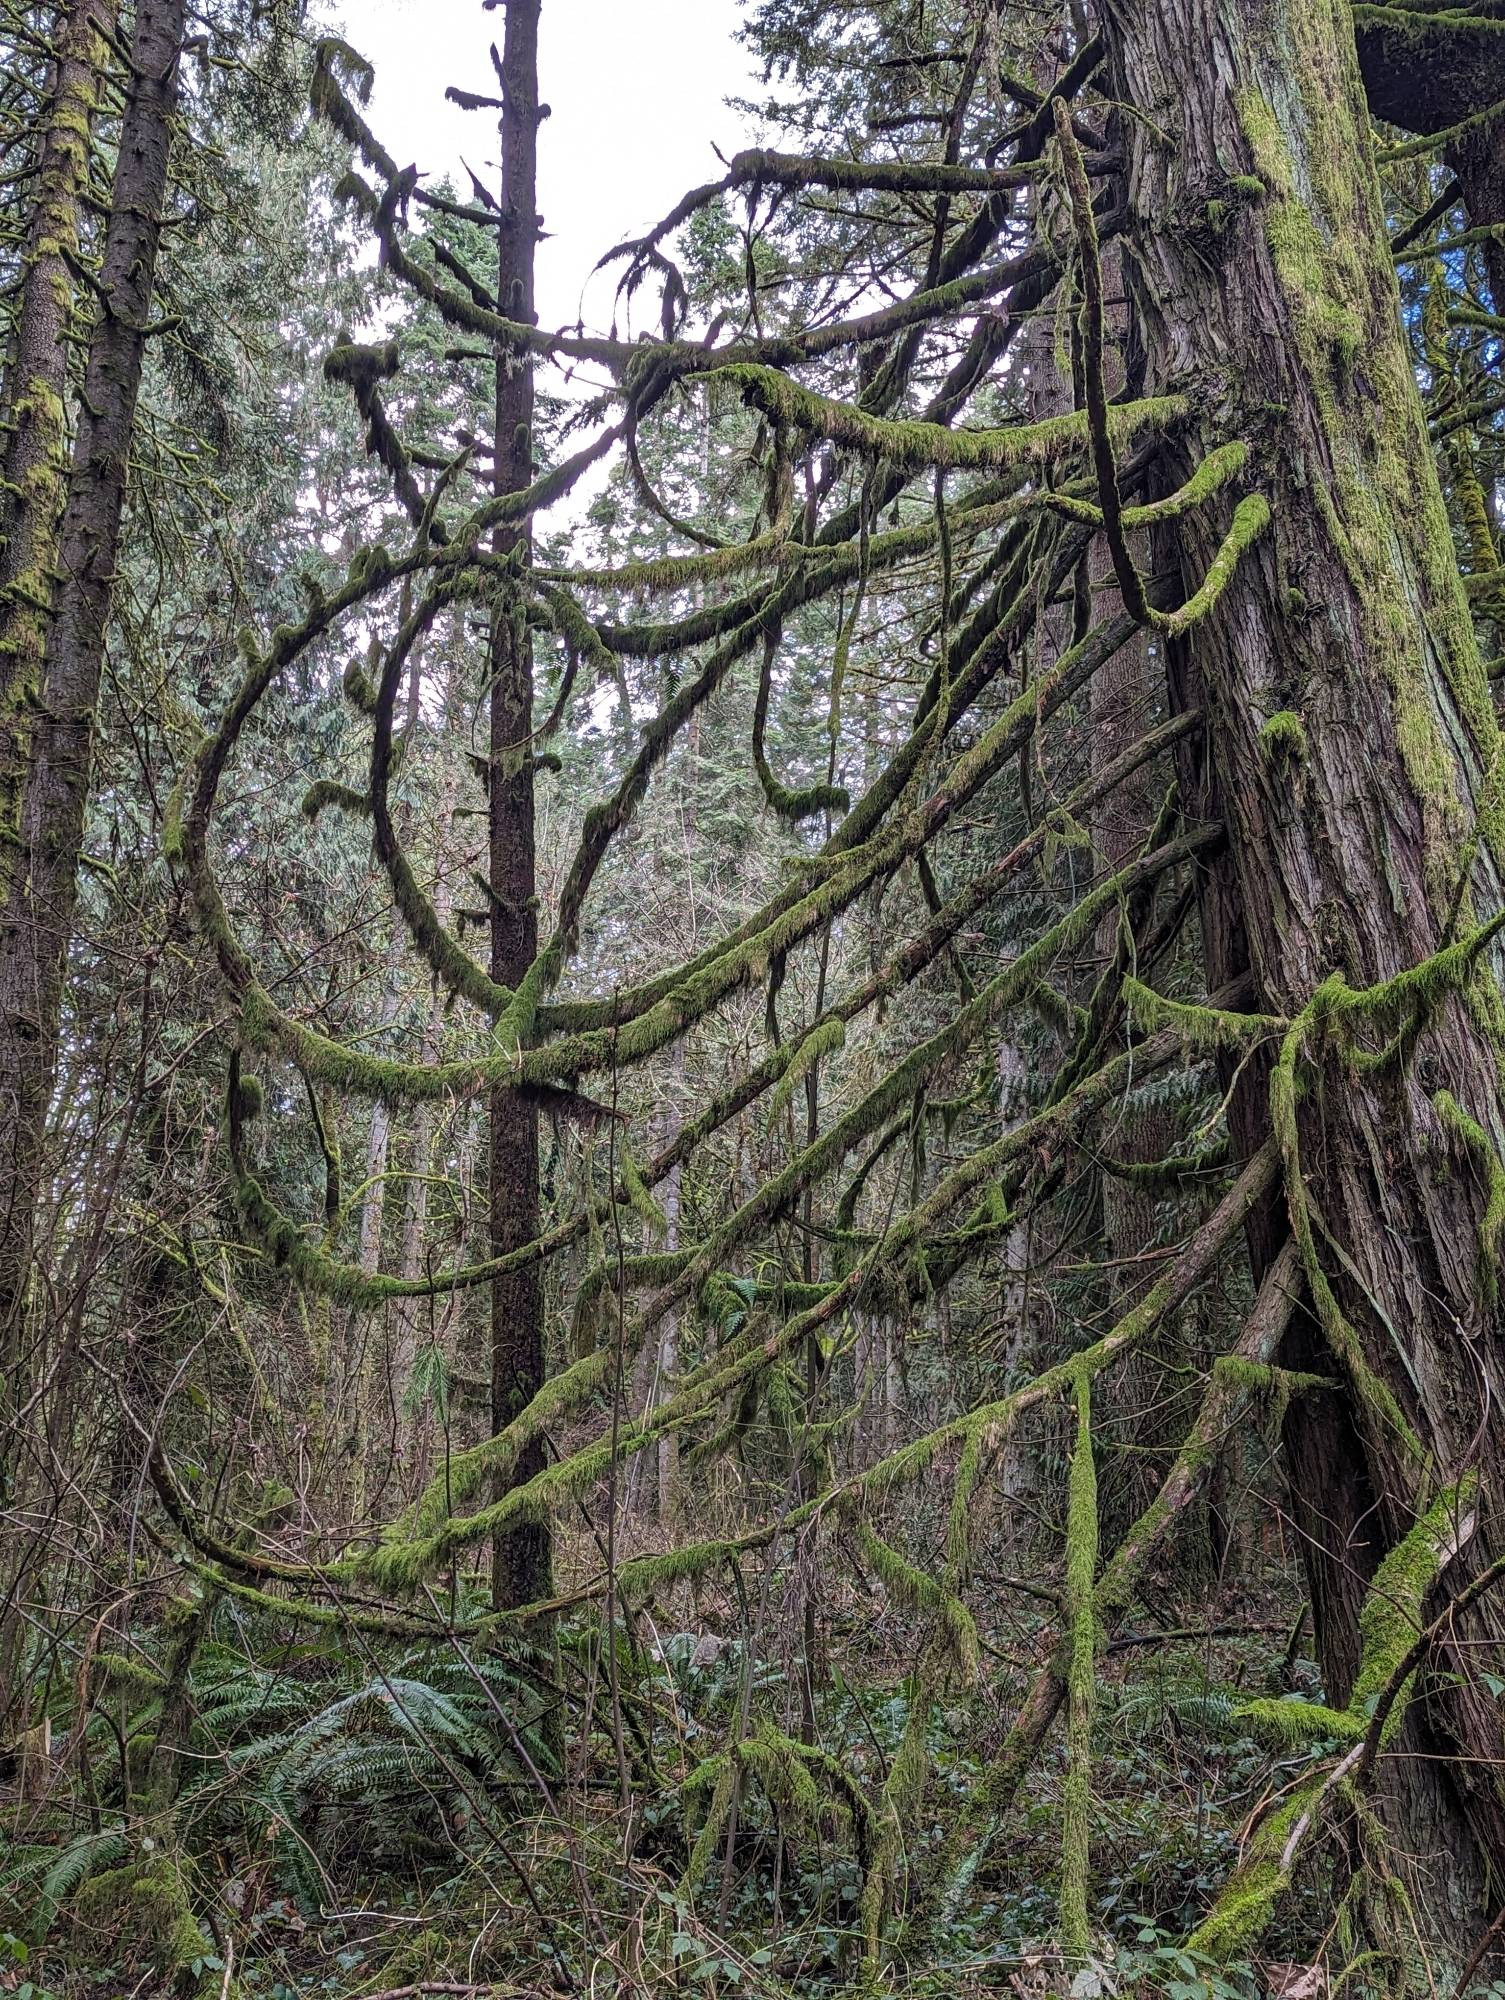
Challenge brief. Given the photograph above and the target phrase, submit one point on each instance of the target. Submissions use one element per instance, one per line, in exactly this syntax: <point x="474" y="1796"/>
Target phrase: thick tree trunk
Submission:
<point x="521" y="1564"/>
<point x="40" y="885"/>
<point x="1276" y="312"/>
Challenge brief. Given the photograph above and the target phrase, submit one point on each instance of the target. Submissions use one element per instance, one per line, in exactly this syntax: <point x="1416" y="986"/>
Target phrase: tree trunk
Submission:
<point x="40" y="887"/>
<point x="1276" y="311"/>
<point x="34" y="471"/>
<point x="1127" y="693"/>
<point x="420" y="1321"/>
<point x="521" y="1559"/>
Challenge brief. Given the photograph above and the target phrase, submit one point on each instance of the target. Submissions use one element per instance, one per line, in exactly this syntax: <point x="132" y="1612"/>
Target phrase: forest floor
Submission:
<point x="365" y="1819"/>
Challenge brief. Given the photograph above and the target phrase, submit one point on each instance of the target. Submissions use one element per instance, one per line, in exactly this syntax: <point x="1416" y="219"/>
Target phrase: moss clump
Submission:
<point x="149" y="1901"/>
<point x="361" y="366"/>
<point x="329" y="792"/>
<point x="1283" y="740"/>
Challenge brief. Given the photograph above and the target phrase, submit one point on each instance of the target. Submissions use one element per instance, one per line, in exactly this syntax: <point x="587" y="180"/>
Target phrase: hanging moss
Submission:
<point x="914" y="446"/>
<point x="1375" y="1395"/>
<point x="1477" y="1142"/>
<point x="1176" y="1172"/>
<point x="1201" y="1027"/>
<point x="1080" y="1613"/>
<point x="826" y="1038"/>
<point x="643" y="1205"/>
<point x="903" y="1793"/>
<point x="916" y="1592"/>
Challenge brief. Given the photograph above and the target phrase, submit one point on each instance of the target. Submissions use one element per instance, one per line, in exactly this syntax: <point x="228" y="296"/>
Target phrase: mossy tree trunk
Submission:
<point x="40" y="884"/>
<point x="34" y="475"/>
<point x="33" y="490"/>
<point x="1263" y="287"/>
<point x="521" y="1565"/>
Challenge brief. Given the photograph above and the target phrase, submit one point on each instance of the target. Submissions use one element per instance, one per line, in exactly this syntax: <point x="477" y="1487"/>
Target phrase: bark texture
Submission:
<point x="34" y="475"/>
<point x="40" y="888"/>
<point x="1264" y="288"/>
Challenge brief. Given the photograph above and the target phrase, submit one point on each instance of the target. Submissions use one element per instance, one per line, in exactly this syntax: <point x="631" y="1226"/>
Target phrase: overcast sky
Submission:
<point x="637" y="89"/>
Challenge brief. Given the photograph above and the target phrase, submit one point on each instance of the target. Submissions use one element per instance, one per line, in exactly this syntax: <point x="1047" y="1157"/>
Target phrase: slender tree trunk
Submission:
<point x="521" y="1558"/>
<point x="416" y="1318"/>
<point x="1278" y="313"/>
<point x="35" y="473"/>
<point x="40" y="884"/>
<point x="1127" y="696"/>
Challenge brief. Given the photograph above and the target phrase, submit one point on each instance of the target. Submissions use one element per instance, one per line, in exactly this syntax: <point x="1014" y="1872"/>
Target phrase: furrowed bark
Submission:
<point x="34" y="476"/>
<point x="1350" y="734"/>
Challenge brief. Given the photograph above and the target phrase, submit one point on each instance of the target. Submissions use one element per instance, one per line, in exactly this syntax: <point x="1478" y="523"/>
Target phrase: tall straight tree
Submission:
<point x="36" y="442"/>
<point x="40" y="884"/>
<point x="521" y="1557"/>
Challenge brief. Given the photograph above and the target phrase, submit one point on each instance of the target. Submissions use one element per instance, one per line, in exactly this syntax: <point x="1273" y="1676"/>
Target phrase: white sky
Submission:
<point x="637" y="90"/>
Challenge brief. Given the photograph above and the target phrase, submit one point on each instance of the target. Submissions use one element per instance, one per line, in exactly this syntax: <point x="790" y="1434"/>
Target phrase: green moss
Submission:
<point x="915" y="1591"/>
<point x="1390" y="1620"/>
<point x="1391" y="1615"/>
<point x="1282" y="740"/>
<point x="1486" y="1156"/>
<point x="1375" y="1395"/>
<point x="329" y="792"/>
<point x="640" y="1200"/>
<point x="1294" y="1725"/>
<point x="1381" y="502"/>
<point x="916" y="446"/>
<point x="826" y="1038"/>
<point x="150" y="1900"/>
<point x="1080" y="1611"/>
<point x="1208" y="1028"/>
<point x="1242" y="1913"/>
<point x="1251" y="517"/>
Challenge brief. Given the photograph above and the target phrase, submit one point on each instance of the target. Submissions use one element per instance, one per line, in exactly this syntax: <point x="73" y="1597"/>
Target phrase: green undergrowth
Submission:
<point x="348" y="1805"/>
